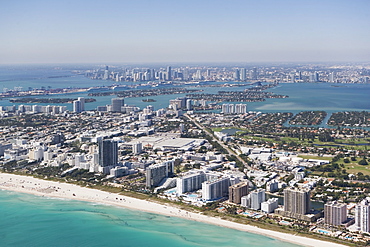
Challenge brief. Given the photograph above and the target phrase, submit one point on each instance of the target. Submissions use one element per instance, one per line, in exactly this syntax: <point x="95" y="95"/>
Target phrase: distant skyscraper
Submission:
<point x="314" y="77"/>
<point x="169" y="73"/>
<point x="77" y="106"/>
<point x="137" y="148"/>
<point x="82" y="100"/>
<point x="335" y="213"/>
<point x="108" y="153"/>
<point x="362" y="215"/>
<point x="254" y="74"/>
<point x="236" y="75"/>
<point x="198" y="75"/>
<point x="243" y="74"/>
<point x="189" y="105"/>
<point x="297" y="201"/>
<point x="106" y="73"/>
<point x="117" y="103"/>
<point x="240" y="108"/>
<point x="332" y="77"/>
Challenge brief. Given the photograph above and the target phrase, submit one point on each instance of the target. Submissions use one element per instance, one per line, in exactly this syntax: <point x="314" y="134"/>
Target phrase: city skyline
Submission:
<point x="187" y="32"/>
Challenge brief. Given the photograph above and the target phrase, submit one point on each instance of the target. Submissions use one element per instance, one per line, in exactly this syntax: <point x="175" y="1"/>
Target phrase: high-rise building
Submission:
<point x="77" y="106"/>
<point x="106" y="73"/>
<point x="137" y="148"/>
<point x="176" y="104"/>
<point x="190" y="182"/>
<point x="228" y="108"/>
<point x="237" y="191"/>
<point x="117" y="103"/>
<point x="297" y="201"/>
<point x="256" y="198"/>
<point x="169" y="73"/>
<point x="215" y="189"/>
<point x="189" y="105"/>
<point x="254" y="74"/>
<point x="82" y="100"/>
<point x="362" y="215"/>
<point x="108" y="153"/>
<point x="155" y="173"/>
<point x="240" y="108"/>
<point x="332" y="77"/>
<point x="335" y="213"/>
<point x="243" y="74"/>
<point x="314" y="77"/>
<point x="237" y="75"/>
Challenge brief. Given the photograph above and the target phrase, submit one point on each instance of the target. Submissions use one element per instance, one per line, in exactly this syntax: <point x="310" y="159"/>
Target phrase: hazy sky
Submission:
<point x="138" y="31"/>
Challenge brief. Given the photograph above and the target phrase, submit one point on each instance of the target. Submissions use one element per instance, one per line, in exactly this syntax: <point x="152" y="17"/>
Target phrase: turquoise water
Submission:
<point x="28" y="220"/>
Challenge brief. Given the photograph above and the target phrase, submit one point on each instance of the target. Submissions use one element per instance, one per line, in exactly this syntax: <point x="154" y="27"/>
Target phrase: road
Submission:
<point x="230" y="152"/>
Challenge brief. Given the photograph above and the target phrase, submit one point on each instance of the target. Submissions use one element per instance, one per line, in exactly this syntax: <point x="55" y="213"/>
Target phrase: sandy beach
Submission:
<point x="40" y="187"/>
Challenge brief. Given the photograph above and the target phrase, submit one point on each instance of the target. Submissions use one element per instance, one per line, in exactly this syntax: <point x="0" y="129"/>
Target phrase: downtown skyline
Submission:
<point x="184" y="31"/>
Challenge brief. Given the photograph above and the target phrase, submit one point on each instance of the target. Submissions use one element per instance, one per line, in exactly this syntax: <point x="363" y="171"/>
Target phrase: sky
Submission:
<point x="157" y="31"/>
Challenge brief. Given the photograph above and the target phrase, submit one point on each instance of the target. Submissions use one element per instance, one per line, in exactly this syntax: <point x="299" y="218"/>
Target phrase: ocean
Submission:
<point x="29" y="220"/>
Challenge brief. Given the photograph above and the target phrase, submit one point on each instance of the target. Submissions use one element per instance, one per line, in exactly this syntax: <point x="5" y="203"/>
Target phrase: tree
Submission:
<point x="363" y="162"/>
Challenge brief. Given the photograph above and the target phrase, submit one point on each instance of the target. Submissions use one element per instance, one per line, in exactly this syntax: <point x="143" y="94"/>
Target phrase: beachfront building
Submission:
<point x="256" y="198"/>
<point x="237" y="191"/>
<point x="362" y="215"/>
<point x="335" y="213"/>
<point x="108" y="155"/>
<point x="215" y="189"/>
<point x="157" y="172"/>
<point x="190" y="182"/>
<point x="297" y="201"/>
<point x="270" y="205"/>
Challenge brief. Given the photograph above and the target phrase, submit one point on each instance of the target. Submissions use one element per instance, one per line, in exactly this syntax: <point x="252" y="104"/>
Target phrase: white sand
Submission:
<point x="70" y="191"/>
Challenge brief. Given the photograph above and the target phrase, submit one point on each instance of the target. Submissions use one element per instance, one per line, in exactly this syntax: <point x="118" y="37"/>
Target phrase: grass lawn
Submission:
<point x="355" y="168"/>
<point x="314" y="157"/>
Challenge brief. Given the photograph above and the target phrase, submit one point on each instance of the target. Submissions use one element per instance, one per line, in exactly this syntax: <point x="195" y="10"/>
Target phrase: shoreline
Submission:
<point x="45" y="188"/>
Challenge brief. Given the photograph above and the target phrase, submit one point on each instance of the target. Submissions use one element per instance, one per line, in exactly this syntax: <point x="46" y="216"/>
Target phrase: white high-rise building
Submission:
<point x="256" y="198"/>
<point x="216" y="189"/>
<point x="227" y="108"/>
<point x="190" y="182"/>
<point x="335" y="213"/>
<point x="362" y="215"/>
<point x="189" y="104"/>
<point x="137" y="148"/>
<point x="332" y="77"/>
<point x="82" y="100"/>
<point x="240" y="108"/>
<point x="77" y="106"/>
